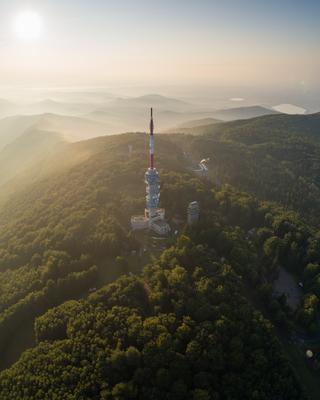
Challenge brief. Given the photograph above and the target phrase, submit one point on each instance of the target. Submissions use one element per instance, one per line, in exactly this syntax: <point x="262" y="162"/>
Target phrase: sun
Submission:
<point x="28" y="26"/>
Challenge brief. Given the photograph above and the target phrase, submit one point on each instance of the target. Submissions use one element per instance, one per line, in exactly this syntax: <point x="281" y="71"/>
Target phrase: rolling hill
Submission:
<point x="275" y="157"/>
<point x="231" y="114"/>
<point x="159" y="102"/>
<point x="129" y="114"/>
<point x="125" y="114"/>
<point x="192" y="126"/>
<point x="6" y="108"/>
<point x="266" y="128"/>
<point x="207" y="124"/>
<point x="50" y="106"/>
<point x="27" y="151"/>
<point x="27" y="141"/>
<point x="68" y="232"/>
<point x="72" y="128"/>
<point x="199" y="122"/>
<point x="65" y="232"/>
<point x="125" y="117"/>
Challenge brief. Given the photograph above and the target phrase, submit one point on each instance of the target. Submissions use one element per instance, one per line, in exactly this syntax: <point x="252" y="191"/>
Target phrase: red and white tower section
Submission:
<point x="154" y="217"/>
<point x="151" y="141"/>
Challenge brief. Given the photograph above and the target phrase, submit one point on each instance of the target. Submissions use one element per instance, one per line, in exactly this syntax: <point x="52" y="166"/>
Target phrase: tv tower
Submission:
<point x="154" y="217"/>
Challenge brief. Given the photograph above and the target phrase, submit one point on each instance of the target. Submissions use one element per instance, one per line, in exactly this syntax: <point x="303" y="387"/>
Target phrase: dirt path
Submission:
<point x="286" y="284"/>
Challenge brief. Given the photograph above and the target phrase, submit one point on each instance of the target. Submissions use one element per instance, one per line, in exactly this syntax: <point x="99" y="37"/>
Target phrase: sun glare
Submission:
<point x="28" y="26"/>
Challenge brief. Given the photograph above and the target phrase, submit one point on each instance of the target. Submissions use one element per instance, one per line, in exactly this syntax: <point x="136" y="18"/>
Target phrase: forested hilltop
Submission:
<point x="275" y="157"/>
<point x="202" y="321"/>
<point x="59" y="235"/>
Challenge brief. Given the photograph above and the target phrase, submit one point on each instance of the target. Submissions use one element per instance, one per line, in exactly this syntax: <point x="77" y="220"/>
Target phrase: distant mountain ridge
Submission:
<point x="199" y="122"/>
<point x="192" y="126"/>
<point x="27" y="139"/>
<point x="27" y="150"/>
<point x="6" y="107"/>
<point x="237" y="113"/>
<point x="72" y="128"/>
<point x="150" y="100"/>
<point x="220" y="116"/>
<point x="126" y="114"/>
<point x="262" y="128"/>
<point x="56" y="107"/>
<point x="170" y="112"/>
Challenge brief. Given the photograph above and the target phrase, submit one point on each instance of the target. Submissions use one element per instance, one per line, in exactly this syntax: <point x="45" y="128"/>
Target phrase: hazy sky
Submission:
<point x="225" y="42"/>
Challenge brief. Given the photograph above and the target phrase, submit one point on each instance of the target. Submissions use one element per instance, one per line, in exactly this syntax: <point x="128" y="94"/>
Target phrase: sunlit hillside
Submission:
<point x="66" y="231"/>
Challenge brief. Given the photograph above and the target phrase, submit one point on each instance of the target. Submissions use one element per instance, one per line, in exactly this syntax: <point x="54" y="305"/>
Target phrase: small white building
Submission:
<point x="193" y="212"/>
<point x="157" y="223"/>
<point x="139" y="222"/>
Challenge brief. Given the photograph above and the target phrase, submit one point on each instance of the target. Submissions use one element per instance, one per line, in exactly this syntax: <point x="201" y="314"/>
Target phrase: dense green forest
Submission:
<point x="203" y="320"/>
<point x="58" y="229"/>
<point x="275" y="157"/>
<point x="182" y="330"/>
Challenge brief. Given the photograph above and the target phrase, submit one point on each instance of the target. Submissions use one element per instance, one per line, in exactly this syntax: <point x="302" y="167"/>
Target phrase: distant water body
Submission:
<point x="289" y="109"/>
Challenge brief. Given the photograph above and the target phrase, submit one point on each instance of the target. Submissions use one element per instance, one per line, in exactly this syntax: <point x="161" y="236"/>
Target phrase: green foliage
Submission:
<point x="308" y="313"/>
<point x="275" y="157"/>
<point x="36" y="303"/>
<point x="182" y="330"/>
<point x="53" y="325"/>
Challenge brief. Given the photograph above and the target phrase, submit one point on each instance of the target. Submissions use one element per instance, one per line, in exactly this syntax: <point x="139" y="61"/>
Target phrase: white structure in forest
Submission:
<point x="193" y="212"/>
<point x="154" y="217"/>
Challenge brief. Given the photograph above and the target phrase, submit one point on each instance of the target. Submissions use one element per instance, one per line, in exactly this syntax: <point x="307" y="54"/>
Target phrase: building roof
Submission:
<point x="160" y="223"/>
<point x="139" y="218"/>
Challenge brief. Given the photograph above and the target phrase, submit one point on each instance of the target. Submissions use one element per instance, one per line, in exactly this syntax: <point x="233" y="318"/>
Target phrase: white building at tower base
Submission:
<point x="156" y="223"/>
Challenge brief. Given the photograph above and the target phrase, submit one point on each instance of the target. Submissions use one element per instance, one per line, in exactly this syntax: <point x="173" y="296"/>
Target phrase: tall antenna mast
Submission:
<point x="154" y="217"/>
<point x="151" y="141"/>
